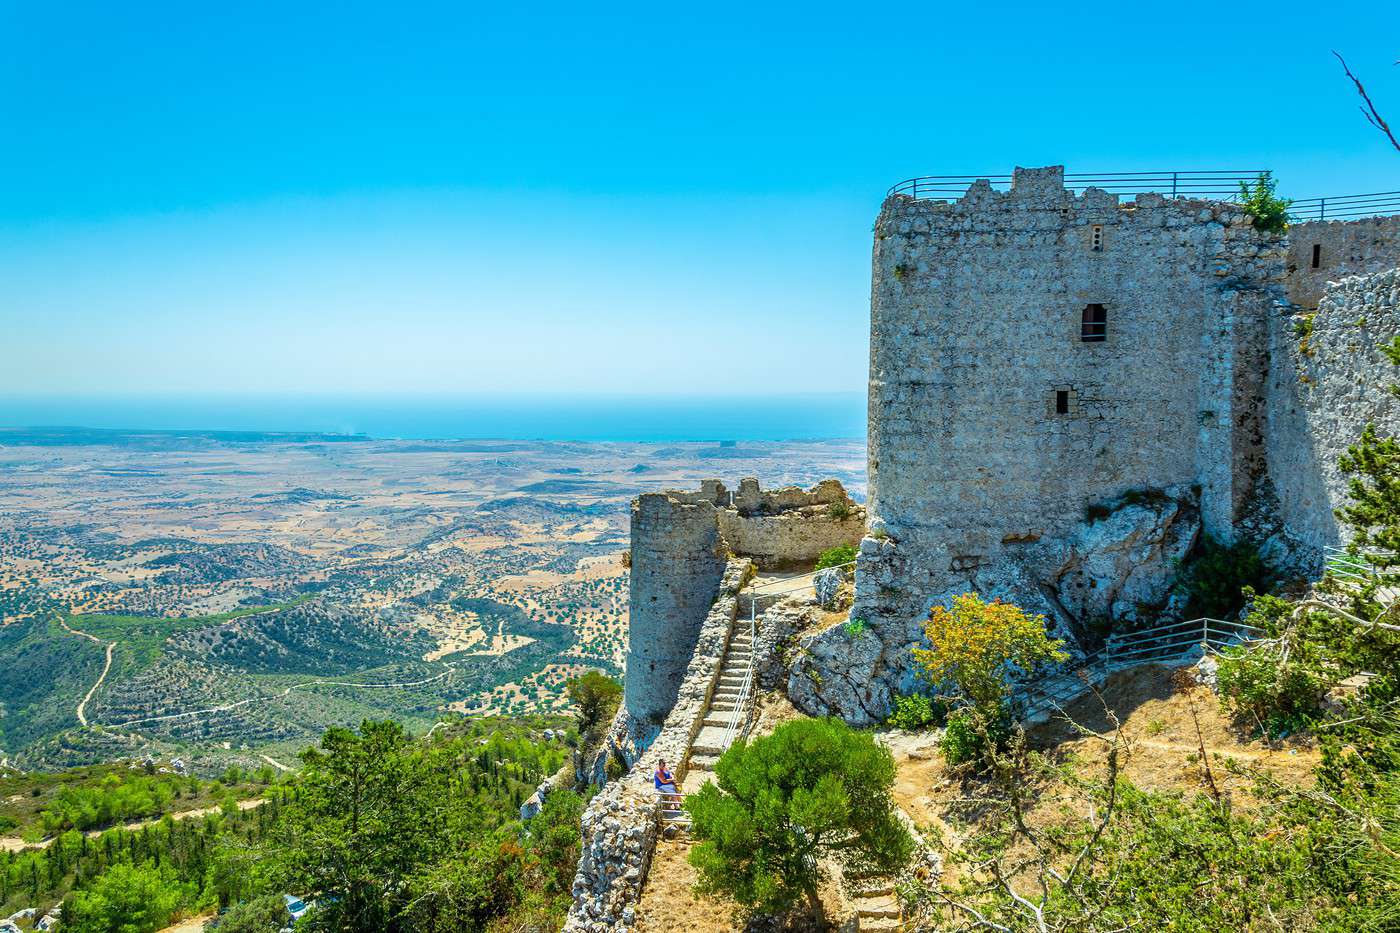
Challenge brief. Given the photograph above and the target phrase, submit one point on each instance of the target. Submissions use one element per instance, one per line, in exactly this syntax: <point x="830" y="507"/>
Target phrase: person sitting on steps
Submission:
<point x="665" y="781"/>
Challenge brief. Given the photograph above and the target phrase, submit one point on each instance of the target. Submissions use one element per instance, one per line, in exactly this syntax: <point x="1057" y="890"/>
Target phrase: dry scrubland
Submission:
<point x="224" y="571"/>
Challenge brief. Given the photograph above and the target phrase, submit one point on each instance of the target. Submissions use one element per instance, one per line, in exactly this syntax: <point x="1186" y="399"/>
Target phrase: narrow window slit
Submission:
<point x="1061" y="402"/>
<point x="1317" y="255"/>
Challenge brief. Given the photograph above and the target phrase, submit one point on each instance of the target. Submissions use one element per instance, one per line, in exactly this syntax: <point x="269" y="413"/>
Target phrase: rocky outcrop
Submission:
<point x="1121" y="563"/>
<point x="1118" y="566"/>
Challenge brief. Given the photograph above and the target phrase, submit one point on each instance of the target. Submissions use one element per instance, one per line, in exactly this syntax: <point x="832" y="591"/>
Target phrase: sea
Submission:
<point x="818" y="416"/>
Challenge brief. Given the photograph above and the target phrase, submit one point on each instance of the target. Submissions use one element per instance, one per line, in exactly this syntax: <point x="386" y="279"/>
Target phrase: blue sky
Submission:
<point x="661" y="199"/>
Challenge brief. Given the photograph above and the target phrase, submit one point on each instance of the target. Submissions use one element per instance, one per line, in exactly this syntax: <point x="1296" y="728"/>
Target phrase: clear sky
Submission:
<point x="456" y="198"/>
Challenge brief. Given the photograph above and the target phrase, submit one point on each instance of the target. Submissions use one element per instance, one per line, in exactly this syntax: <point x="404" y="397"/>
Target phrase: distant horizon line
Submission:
<point x="641" y="419"/>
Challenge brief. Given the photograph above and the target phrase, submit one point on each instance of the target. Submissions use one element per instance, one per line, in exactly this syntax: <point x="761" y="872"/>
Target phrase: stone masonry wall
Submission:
<point x="1343" y="248"/>
<point x="1009" y="456"/>
<point x="619" y="825"/>
<point x="789" y="528"/>
<point x="1328" y="380"/>
<point x="677" y="561"/>
<point x="975" y="473"/>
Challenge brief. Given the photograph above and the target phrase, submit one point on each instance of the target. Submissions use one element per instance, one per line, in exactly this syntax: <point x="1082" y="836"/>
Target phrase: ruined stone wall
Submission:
<point x="1341" y="248"/>
<point x="680" y="541"/>
<point x="1009" y="456"/>
<point x="677" y="561"/>
<point x="789" y="528"/>
<point x="1327" y="381"/>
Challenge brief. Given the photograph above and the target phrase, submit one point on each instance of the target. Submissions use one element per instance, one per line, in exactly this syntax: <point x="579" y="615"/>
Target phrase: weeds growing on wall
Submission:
<point x="1269" y="211"/>
<point x="835" y="557"/>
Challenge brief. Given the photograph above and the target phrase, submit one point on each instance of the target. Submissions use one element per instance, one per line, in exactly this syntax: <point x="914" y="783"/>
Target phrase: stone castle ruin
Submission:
<point x="681" y="545"/>
<point x="1069" y="391"/>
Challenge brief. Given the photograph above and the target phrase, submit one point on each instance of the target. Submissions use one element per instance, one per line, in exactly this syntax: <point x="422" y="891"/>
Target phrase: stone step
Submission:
<point x="731" y="693"/>
<point x="883" y="908"/>
<point x="709" y="741"/>
<point x="878" y="924"/>
<point x="703" y="762"/>
<point x="731" y="680"/>
<point x="872" y="889"/>
<point x="722" y="721"/>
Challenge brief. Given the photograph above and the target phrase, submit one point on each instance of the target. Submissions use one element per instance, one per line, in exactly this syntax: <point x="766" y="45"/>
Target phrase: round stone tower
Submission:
<point x="677" y="563"/>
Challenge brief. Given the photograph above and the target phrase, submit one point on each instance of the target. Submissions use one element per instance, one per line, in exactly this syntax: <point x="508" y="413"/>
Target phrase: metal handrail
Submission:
<point x="1174" y="184"/>
<point x="1155" y="644"/>
<point x="1340" y="207"/>
<point x="1211" y="185"/>
<point x="740" y="714"/>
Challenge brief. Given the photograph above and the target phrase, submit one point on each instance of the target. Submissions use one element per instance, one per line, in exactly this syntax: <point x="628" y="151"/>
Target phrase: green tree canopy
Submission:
<point x="125" y="899"/>
<point x="813" y="789"/>
<point x="595" y="696"/>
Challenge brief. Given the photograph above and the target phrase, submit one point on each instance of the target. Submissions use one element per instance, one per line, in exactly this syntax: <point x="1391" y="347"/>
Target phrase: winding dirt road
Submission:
<point x="111" y="645"/>
<point x="82" y="706"/>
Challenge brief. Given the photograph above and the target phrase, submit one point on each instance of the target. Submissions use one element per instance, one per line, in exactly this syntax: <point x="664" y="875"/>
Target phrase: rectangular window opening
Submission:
<point x="1061" y="402"/>
<point x="1317" y="255"/>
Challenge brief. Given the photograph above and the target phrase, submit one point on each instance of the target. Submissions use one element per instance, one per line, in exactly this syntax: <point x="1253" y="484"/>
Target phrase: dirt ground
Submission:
<point x="1163" y="749"/>
<point x="668" y="902"/>
<point x="191" y="925"/>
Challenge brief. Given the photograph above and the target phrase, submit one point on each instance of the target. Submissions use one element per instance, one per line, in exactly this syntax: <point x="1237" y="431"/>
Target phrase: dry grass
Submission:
<point x="1161" y="737"/>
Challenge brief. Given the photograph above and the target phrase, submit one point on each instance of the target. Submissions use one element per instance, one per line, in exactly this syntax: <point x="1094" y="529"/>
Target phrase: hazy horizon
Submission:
<point x="810" y="416"/>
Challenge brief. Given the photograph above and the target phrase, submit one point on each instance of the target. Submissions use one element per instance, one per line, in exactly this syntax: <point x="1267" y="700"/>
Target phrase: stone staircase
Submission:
<point x="733" y="696"/>
<point x="875" y="903"/>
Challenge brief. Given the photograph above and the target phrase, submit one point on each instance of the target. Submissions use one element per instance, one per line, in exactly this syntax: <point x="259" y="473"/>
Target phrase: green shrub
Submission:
<point x="1260" y="687"/>
<point x="812" y="791"/>
<point x="835" y="557"/>
<point x="1270" y="212"/>
<point x="855" y="628"/>
<point x="266" y="914"/>
<point x="916" y="713"/>
<point x="1216" y="580"/>
<point x="968" y="734"/>
<point x="839" y="511"/>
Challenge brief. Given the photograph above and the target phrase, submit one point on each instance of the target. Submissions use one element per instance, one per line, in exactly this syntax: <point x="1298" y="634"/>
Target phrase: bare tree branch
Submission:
<point x="1368" y="109"/>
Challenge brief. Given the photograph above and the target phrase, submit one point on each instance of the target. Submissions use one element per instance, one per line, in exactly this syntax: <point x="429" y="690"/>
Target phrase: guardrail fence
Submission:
<point x="1211" y="185"/>
<point x="1344" y="207"/>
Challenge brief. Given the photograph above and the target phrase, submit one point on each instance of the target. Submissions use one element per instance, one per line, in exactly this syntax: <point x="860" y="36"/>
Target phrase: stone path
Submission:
<point x="711" y="741"/>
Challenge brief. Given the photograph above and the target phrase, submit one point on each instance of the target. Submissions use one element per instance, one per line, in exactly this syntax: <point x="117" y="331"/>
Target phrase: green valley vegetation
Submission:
<point x="381" y="830"/>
